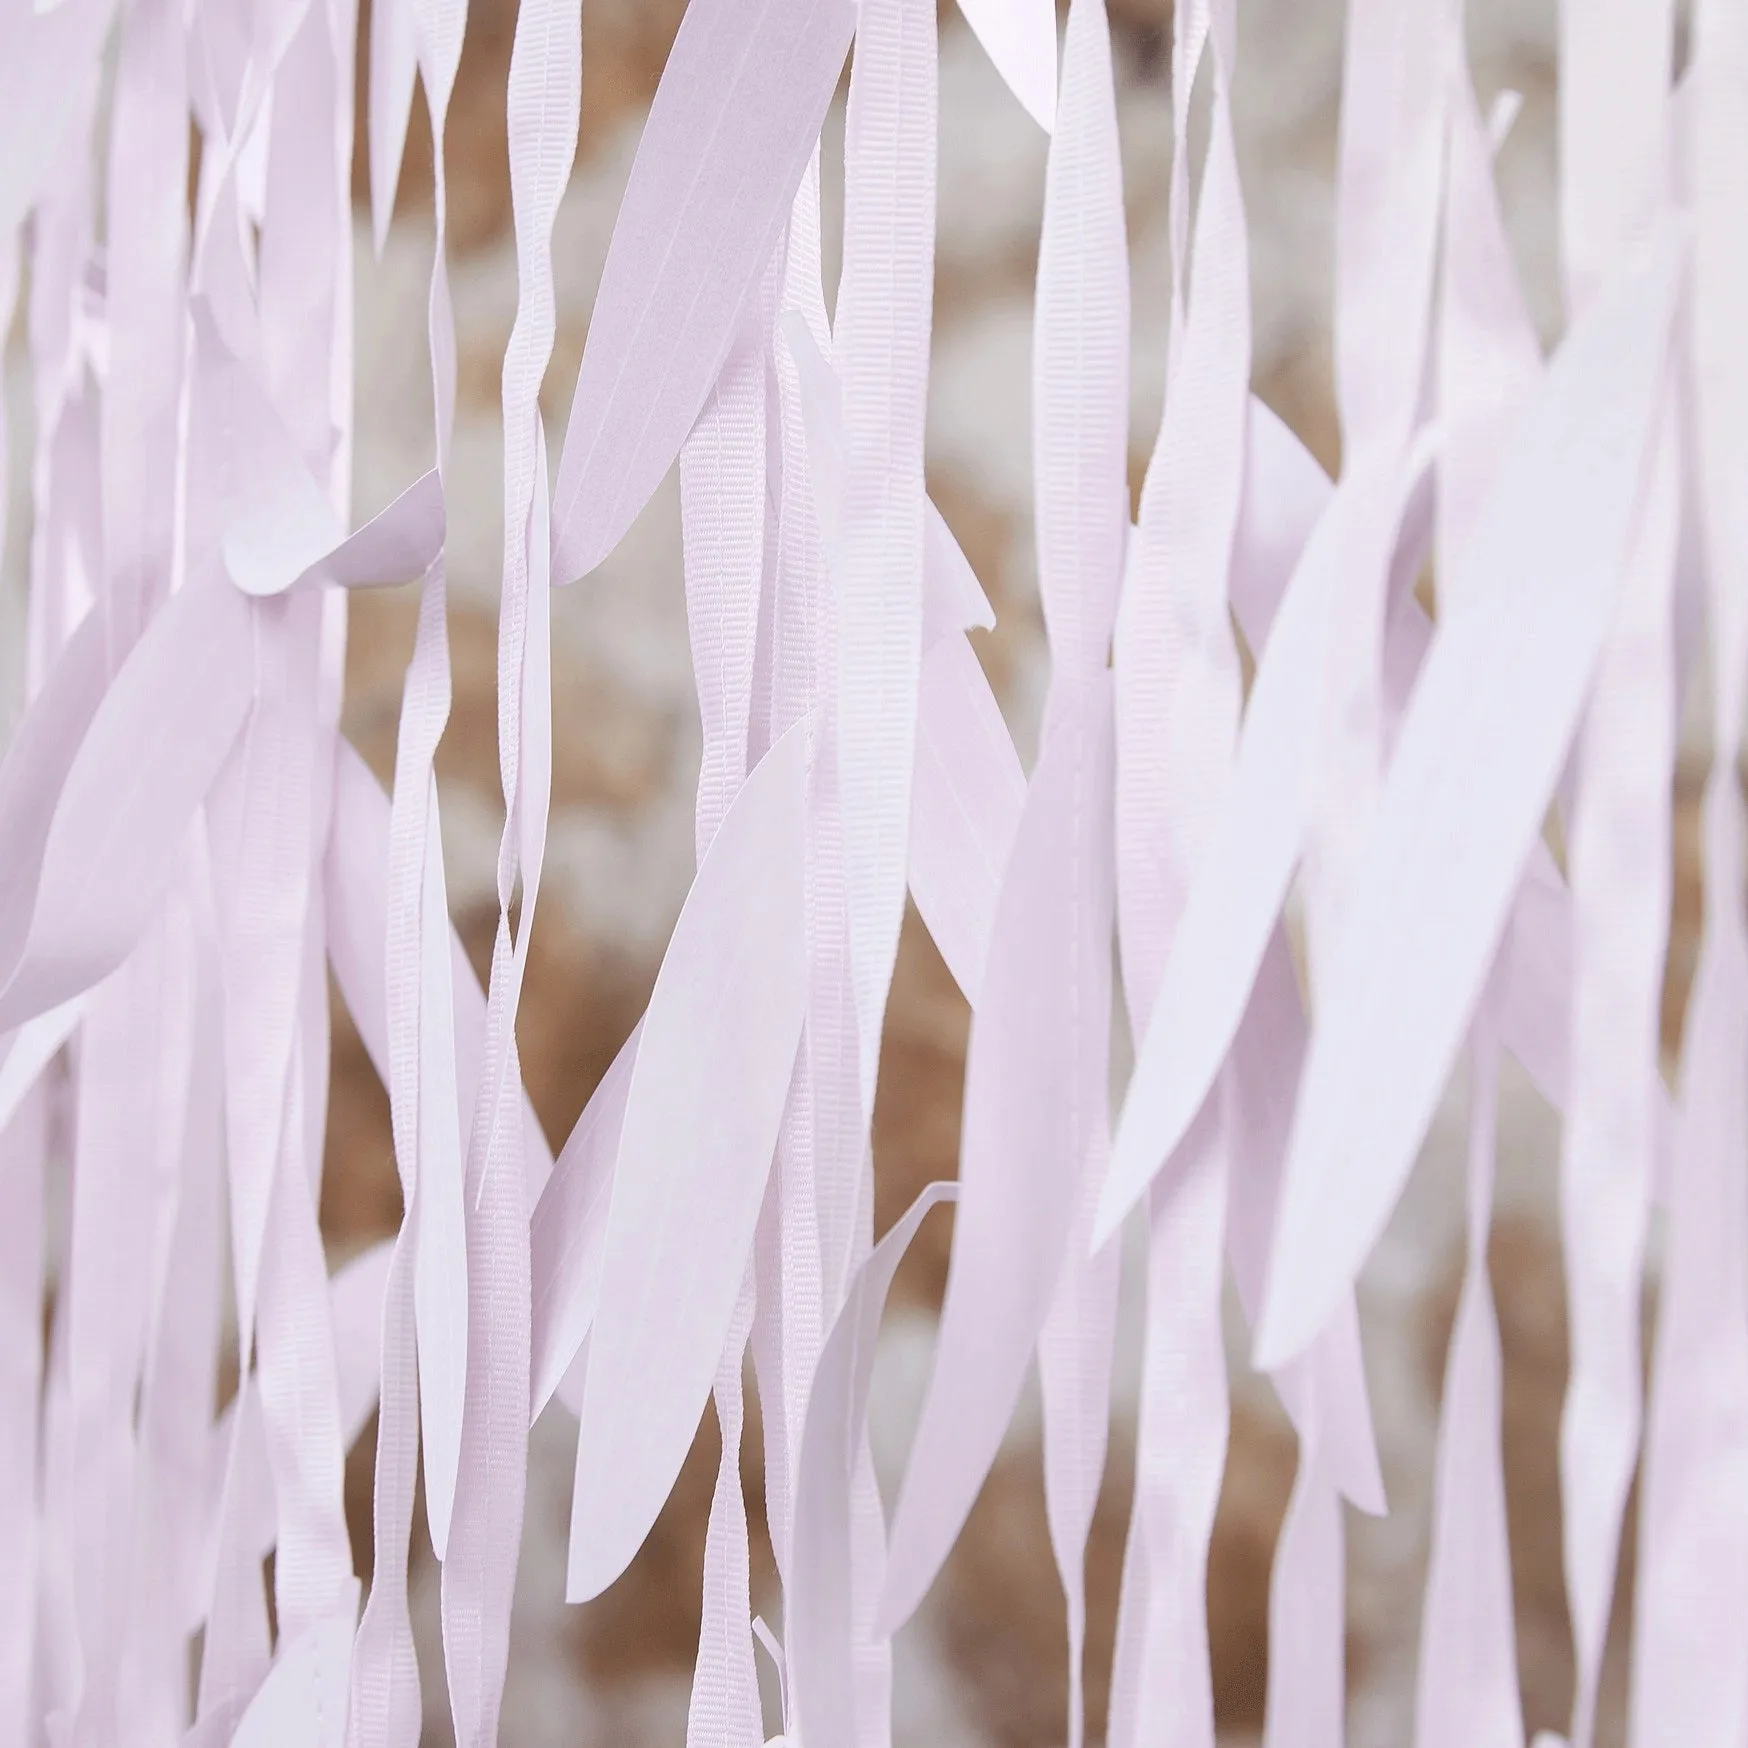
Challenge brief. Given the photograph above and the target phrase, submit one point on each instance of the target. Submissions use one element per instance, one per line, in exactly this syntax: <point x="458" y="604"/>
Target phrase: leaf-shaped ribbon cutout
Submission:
<point x="569" y="1231"/>
<point x="399" y="544"/>
<point x="965" y="807"/>
<point x="701" y="1120"/>
<point x="394" y="59"/>
<point x="275" y="518"/>
<point x="1330" y="1381"/>
<point x="1286" y="491"/>
<point x="821" y="1623"/>
<point x="32" y="1049"/>
<point x="953" y="598"/>
<point x="281" y="523"/>
<point x="1237" y="896"/>
<point x="1478" y="754"/>
<point x="1023" y="1139"/>
<point x="1019" y="36"/>
<point x="34" y="774"/>
<point x="302" y="1703"/>
<point x="155" y="744"/>
<point x="1285" y="495"/>
<point x="280" y="531"/>
<point x="734" y="122"/>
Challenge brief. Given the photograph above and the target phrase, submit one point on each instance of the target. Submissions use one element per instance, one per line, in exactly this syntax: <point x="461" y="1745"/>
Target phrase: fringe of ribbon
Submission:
<point x="188" y="847"/>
